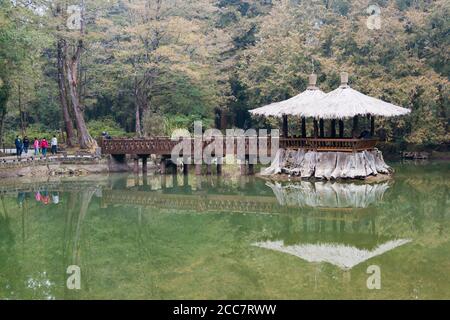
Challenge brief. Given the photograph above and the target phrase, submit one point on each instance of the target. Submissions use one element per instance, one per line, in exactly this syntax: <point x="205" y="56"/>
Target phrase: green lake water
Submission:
<point x="227" y="238"/>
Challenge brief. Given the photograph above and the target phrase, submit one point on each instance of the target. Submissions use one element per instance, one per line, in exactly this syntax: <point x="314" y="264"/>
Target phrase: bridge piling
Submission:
<point x="251" y="169"/>
<point x="243" y="168"/>
<point x="185" y="169"/>
<point x="208" y="169"/>
<point x="144" y="166"/>
<point x="219" y="166"/>
<point x="136" y="165"/>
<point x="198" y="169"/>
<point x="163" y="165"/>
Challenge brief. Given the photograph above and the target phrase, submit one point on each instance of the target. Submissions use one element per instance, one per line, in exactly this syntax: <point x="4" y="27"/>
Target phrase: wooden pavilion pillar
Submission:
<point x="285" y="126"/>
<point x="303" y="127"/>
<point x="341" y="129"/>
<point x="333" y="128"/>
<point x="316" y="128"/>
<point x="355" y="127"/>
<point x="321" y="128"/>
<point x="372" y="126"/>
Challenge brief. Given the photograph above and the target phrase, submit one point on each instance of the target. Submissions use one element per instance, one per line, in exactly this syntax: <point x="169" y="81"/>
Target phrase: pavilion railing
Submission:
<point x="329" y="144"/>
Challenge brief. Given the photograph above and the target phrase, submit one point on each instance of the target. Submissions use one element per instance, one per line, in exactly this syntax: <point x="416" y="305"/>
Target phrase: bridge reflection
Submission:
<point x="331" y="200"/>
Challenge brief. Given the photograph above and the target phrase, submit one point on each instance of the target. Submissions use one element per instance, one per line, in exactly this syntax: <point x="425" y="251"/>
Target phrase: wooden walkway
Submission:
<point x="164" y="145"/>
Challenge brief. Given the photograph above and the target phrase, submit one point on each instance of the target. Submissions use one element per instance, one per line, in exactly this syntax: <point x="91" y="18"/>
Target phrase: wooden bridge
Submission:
<point x="202" y="203"/>
<point x="163" y="146"/>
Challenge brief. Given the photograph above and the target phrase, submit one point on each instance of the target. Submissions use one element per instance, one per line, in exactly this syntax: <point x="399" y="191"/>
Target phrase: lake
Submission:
<point x="227" y="238"/>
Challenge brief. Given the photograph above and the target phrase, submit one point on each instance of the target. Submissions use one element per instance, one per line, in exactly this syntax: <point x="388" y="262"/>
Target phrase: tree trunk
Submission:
<point x="2" y="125"/>
<point x="138" y="127"/>
<point x="84" y="138"/>
<point x="68" y="125"/>
<point x="21" y="113"/>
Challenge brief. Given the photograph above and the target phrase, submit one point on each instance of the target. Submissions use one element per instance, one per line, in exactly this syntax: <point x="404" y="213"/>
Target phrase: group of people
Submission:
<point x="41" y="196"/>
<point x="39" y="146"/>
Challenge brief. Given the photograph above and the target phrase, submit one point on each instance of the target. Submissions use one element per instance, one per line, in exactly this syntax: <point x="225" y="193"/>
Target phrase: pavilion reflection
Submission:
<point x="322" y="241"/>
<point x="326" y="194"/>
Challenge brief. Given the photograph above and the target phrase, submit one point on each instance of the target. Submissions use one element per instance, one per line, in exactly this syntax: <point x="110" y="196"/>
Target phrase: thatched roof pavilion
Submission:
<point x="341" y="103"/>
<point x="333" y="156"/>
<point x="345" y="102"/>
<point x="293" y="106"/>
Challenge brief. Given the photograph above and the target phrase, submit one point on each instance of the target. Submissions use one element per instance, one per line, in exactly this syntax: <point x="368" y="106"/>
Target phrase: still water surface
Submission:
<point x="227" y="238"/>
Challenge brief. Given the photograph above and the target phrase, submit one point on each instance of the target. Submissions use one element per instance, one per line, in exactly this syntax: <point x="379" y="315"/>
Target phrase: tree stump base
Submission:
<point x="328" y="165"/>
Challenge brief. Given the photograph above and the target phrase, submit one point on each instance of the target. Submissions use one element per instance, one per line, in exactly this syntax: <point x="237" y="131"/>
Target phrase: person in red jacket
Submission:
<point x="44" y="147"/>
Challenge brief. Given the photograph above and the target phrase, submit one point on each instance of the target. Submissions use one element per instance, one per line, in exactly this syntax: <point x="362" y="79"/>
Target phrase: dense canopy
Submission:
<point x="140" y="67"/>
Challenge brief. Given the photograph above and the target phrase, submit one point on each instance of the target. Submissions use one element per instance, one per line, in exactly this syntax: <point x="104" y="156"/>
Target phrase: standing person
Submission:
<point x="54" y="143"/>
<point x="19" y="146"/>
<point x="44" y="146"/>
<point x="26" y="145"/>
<point x="36" y="146"/>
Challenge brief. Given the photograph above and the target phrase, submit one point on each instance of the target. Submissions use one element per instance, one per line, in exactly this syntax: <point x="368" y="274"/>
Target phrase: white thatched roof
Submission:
<point x="342" y="256"/>
<point x="345" y="102"/>
<point x="292" y="106"/>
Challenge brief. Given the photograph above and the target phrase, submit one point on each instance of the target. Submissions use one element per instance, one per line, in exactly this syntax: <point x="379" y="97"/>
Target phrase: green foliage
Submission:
<point x="96" y="127"/>
<point x="156" y="124"/>
<point x="405" y="62"/>
<point x="181" y="63"/>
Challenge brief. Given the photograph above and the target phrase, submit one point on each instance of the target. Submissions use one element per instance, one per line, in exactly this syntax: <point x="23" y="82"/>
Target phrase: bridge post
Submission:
<point x="136" y="165"/>
<point x="198" y="169"/>
<point x="251" y="170"/>
<point x="243" y="168"/>
<point x="208" y="169"/>
<point x="144" y="165"/>
<point x="163" y="165"/>
<point x="219" y="166"/>
<point x="163" y="181"/>
<point x="185" y="169"/>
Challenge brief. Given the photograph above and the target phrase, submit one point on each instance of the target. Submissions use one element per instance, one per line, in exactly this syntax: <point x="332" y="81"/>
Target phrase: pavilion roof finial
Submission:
<point x="344" y="79"/>
<point x="312" y="82"/>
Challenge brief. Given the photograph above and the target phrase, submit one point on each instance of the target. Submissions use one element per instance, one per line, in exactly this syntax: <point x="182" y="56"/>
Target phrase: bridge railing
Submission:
<point x="164" y="145"/>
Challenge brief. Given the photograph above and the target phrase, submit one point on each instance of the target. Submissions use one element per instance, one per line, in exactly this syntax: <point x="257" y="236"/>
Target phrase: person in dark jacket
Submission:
<point x="19" y="146"/>
<point x="26" y="145"/>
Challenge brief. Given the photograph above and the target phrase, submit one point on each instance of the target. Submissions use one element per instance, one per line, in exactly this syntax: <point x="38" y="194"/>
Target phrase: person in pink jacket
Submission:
<point x="36" y="146"/>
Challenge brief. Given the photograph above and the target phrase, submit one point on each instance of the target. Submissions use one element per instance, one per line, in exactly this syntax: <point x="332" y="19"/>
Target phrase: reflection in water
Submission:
<point x="206" y="237"/>
<point x="328" y="194"/>
<point x="342" y="256"/>
<point x="325" y="194"/>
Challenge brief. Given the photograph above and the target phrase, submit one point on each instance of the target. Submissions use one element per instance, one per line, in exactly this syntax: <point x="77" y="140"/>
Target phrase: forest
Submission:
<point x="147" y="67"/>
